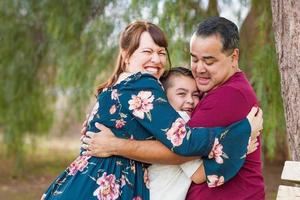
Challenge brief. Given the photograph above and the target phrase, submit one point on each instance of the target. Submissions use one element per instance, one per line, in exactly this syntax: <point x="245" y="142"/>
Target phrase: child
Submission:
<point x="173" y="181"/>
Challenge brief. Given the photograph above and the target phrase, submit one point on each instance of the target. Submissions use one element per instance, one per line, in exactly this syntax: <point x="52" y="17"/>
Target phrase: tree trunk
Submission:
<point x="286" y="25"/>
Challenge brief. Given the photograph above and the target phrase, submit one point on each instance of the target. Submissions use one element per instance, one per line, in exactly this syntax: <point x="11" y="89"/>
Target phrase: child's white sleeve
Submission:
<point x="184" y="116"/>
<point x="189" y="168"/>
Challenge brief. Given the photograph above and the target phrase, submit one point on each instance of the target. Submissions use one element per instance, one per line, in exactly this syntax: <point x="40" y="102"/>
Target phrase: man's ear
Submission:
<point x="235" y="57"/>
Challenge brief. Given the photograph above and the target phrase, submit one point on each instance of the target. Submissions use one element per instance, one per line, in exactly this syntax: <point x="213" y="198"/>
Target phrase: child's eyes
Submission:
<point x="181" y="94"/>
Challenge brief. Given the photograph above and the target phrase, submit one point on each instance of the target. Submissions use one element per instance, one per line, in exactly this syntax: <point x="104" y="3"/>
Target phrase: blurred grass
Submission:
<point x="53" y="155"/>
<point x="41" y="167"/>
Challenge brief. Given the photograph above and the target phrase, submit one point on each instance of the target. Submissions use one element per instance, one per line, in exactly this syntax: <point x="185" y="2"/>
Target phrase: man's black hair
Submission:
<point x="223" y="27"/>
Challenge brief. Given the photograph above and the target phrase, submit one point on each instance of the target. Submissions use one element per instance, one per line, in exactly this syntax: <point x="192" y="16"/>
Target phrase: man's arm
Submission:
<point x="150" y="151"/>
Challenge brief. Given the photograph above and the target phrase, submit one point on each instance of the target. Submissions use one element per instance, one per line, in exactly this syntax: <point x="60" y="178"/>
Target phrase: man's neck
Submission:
<point x="226" y="79"/>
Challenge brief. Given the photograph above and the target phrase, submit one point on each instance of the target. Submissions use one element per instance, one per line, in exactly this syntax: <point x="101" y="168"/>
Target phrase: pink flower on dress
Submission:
<point x="141" y="104"/>
<point x="112" y="109"/>
<point x="108" y="188"/>
<point x="114" y="94"/>
<point x="123" y="180"/>
<point x="120" y="123"/>
<point x="94" y="111"/>
<point x="217" y="152"/>
<point x="177" y="132"/>
<point x="79" y="164"/>
<point x="214" y="180"/>
<point x="146" y="179"/>
<point x="137" y="198"/>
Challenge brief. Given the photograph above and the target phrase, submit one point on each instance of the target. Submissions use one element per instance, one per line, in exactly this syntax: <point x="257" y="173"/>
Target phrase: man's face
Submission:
<point x="210" y="66"/>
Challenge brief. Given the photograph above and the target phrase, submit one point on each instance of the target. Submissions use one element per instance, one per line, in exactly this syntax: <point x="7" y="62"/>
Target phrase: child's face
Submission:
<point x="183" y="94"/>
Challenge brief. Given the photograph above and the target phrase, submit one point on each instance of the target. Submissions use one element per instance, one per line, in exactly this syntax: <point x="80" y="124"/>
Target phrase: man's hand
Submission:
<point x="255" y="118"/>
<point x="101" y="144"/>
<point x="252" y="146"/>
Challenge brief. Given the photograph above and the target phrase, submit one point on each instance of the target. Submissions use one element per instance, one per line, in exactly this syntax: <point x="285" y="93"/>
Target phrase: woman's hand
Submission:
<point x="101" y="144"/>
<point x="84" y="125"/>
<point x="255" y="118"/>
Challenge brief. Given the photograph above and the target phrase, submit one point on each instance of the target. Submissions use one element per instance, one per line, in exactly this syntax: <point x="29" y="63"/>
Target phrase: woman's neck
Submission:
<point x="123" y="76"/>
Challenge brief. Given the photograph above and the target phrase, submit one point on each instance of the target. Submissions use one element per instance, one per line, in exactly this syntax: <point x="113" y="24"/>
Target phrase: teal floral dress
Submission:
<point x="137" y="108"/>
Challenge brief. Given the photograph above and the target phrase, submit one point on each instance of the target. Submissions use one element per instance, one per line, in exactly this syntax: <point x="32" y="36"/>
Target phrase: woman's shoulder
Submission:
<point x="139" y="79"/>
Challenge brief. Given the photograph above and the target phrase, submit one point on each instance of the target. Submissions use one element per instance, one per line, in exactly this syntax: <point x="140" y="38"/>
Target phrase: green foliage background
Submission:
<point x="52" y="47"/>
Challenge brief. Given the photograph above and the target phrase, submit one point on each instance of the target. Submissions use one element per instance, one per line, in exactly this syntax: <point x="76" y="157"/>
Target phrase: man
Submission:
<point x="229" y="97"/>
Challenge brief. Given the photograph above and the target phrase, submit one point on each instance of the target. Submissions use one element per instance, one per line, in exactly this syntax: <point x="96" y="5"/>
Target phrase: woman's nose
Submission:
<point x="155" y="57"/>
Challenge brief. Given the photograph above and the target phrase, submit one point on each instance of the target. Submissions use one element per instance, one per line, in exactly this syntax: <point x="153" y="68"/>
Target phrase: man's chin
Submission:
<point x="204" y="88"/>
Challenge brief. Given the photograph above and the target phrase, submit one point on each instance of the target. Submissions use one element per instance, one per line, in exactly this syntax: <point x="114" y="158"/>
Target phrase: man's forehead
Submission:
<point x="205" y="46"/>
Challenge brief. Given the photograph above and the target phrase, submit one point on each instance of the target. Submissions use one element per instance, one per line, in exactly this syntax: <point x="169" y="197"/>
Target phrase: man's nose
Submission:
<point x="200" y="67"/>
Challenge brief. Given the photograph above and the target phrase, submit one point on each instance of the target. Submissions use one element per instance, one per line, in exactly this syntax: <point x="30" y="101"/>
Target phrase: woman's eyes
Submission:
<point x="161" y="53"/>
<point x="147" y="51"/>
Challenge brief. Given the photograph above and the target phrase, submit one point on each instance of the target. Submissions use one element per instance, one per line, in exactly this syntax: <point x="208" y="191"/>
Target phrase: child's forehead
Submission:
<point x="182" y="81"/>
<point x="175" y="77"/>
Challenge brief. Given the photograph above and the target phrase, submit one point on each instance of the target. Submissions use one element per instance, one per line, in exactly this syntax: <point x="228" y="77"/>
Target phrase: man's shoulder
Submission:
<point x="224" y="92"/>
<point x="237" y="88"/>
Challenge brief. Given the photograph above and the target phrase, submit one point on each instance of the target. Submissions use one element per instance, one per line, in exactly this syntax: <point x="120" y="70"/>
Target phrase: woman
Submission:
<point x="133" y="104"/>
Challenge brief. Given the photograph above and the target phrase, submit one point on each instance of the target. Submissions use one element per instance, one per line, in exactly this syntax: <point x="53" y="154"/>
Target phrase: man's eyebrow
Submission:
<point x="208" y="57"/>
<point x="193" y="55"/>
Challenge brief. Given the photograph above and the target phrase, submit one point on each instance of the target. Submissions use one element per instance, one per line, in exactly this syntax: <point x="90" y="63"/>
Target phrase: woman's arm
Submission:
<point x="148" y="151"/>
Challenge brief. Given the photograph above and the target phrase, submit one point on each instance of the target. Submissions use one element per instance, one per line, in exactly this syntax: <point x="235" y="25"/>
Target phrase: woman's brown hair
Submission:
<point x="129" y="42"/>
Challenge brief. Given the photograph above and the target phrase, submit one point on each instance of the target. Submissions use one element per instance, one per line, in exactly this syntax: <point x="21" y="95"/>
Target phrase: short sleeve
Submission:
<point x="189" y="168"/>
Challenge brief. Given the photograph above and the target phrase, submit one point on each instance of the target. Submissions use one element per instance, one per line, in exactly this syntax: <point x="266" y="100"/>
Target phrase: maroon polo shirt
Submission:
<point x="223" y="106"/>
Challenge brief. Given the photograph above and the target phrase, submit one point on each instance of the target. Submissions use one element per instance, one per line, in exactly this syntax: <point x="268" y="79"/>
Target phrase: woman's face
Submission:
<point x="148" y="57"/>
<point x="183" y="93"/>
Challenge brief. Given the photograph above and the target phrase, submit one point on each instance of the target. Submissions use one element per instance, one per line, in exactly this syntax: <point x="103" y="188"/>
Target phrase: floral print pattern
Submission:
<point x="114" y="94"/>
<point x="141" y="103"/>
<point x="214" y="180"/>
<point x="177" y="132"/>
<point x="79" y="164"/>
<point x="112" y="109"/>
<point x="120" y="123"/>
<point x="108" y="187"/>
<point x="217" y="152"/>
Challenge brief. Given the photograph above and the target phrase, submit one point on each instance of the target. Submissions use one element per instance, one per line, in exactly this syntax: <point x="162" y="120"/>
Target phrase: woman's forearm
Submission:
<point x="148" y="151"/>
